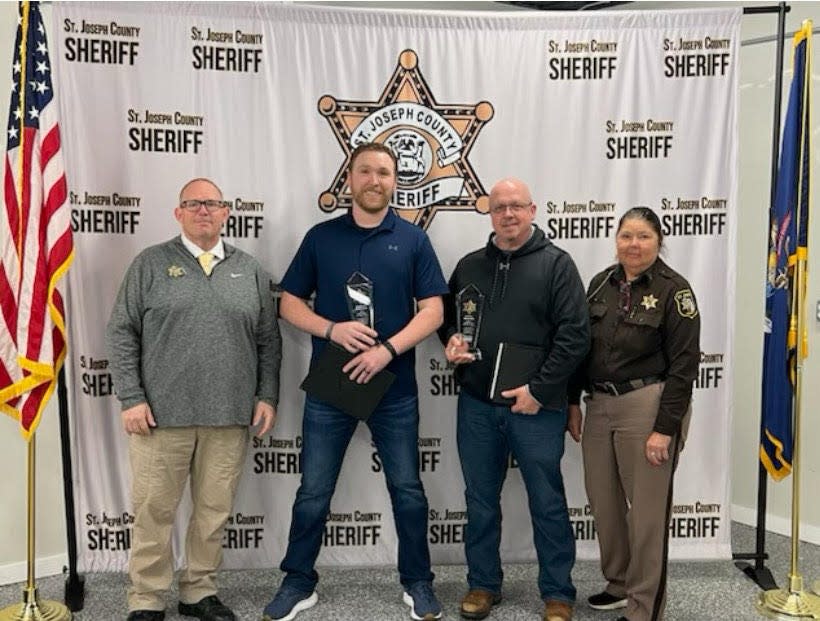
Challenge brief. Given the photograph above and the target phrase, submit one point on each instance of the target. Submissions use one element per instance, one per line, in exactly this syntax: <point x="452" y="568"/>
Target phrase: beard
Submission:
<point x="369" y="202"/>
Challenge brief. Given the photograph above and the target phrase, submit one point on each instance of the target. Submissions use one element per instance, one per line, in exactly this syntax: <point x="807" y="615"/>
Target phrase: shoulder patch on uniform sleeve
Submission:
<point x="685" y="301"/>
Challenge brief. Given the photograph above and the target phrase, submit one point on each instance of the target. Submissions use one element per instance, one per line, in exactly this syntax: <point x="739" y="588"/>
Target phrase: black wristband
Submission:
<point x="389" y="347"/>
<point x="329" y="330"/>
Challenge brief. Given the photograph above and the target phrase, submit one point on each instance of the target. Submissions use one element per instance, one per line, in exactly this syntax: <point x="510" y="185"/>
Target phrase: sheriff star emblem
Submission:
<point x="431" y="142"/>
<point x="649" y="301"/>
<point x="469" y="307"/>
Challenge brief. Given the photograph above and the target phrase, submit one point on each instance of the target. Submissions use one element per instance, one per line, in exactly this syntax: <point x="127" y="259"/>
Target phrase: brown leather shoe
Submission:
<point x="556" y="610"/>
<point x="477" y="603"/>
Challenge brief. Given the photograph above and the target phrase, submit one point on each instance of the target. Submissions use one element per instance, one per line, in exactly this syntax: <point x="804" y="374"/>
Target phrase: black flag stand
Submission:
<point x="758" y="572"/>
<point x="75" y="583"/>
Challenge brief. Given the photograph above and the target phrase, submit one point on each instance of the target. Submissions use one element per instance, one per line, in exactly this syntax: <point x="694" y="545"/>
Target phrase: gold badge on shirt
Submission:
<point x="175" y="271"/>
<point x="649" y="301"/>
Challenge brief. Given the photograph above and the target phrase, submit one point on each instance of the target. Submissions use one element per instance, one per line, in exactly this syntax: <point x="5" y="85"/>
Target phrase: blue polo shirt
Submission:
<point x="396" y="255"/>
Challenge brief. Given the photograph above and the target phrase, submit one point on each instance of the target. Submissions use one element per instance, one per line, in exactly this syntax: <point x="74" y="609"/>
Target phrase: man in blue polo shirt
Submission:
<point x="399" y="259"/>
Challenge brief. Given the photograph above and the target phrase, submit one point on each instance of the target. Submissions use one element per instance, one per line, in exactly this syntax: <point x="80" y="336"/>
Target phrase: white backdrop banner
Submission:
<point x="598" y="112"/>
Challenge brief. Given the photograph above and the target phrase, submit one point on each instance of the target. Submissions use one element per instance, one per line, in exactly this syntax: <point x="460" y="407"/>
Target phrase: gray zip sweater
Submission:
<point x="200" y="350"/>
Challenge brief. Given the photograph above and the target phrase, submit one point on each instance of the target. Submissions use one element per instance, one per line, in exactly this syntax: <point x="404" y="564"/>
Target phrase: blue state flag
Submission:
<point x="788" y="243"/>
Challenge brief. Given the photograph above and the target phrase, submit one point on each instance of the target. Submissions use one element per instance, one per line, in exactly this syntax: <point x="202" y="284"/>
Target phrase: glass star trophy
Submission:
<point x="359" y="292"/>
<point x="469" y="309"/>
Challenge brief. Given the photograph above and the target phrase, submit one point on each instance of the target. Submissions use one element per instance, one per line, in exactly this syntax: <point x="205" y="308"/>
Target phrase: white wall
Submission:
<point x="756" y="84"/>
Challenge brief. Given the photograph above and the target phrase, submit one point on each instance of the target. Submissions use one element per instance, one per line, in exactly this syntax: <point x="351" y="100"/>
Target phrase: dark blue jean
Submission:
<point x="326" y="433"/>
<point x="487" y="434"/>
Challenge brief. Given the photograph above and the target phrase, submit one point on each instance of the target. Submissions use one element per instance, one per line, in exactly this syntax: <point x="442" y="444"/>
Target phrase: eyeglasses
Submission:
<point x="193" y="204"/>
<point x="514" y="207"/>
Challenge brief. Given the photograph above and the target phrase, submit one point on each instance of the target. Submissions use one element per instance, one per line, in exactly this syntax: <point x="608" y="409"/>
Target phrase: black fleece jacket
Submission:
<point x="532" y="296"/>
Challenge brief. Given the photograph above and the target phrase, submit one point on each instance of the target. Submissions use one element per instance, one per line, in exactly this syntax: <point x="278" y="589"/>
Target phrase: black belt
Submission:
<point x="621" y="388"/>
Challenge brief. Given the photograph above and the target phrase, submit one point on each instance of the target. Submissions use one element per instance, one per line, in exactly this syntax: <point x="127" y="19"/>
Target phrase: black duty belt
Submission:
<point x="621" y="388"/>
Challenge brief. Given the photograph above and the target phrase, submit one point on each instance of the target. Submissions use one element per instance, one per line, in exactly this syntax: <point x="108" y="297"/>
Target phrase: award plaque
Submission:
<point x="469" y="308"/>
<point x="359" y="292"/>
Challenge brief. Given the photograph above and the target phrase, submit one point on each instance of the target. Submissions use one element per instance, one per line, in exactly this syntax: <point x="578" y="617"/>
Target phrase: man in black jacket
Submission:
<point x="532" y="295"/>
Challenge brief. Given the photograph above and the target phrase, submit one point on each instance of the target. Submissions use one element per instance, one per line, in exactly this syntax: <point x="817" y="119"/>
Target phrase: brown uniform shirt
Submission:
<point x="649" y="327"/>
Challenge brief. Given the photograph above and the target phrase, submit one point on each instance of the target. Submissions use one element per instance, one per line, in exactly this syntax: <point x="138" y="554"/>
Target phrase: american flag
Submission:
<point x="35" y="232"/>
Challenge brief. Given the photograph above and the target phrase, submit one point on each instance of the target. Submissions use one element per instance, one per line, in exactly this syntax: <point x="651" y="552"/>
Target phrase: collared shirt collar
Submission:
<point x="218" y="250"/>
<point x="618" y="273"/>
<point x="388" y="223"/>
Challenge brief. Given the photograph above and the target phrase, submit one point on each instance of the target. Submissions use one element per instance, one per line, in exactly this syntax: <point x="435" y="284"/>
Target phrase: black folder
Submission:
<point x="327" y="381"/>
<point x="515" y="365"/>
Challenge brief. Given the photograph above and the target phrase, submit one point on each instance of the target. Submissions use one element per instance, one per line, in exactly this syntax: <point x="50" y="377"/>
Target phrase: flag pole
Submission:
<point x="795" y="602"/>
<point x="32" y="608"/>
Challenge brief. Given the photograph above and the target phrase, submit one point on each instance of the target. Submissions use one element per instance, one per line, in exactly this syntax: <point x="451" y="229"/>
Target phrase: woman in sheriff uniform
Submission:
<point x="638" y="376"/>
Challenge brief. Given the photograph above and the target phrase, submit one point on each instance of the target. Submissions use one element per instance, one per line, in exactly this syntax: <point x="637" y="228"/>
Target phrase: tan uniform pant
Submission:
<point x="630" y="498"/>
<point x="160" y="465"/>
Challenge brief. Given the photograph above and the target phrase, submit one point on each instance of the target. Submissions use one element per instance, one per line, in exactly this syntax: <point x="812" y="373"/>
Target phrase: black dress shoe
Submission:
<point x="207" y="609"/>
<point x="606" y="601"/>
<point x="146" y="615"/>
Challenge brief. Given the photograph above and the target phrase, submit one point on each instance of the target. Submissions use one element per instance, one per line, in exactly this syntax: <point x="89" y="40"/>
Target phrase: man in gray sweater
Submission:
<point x="195" y="349"/>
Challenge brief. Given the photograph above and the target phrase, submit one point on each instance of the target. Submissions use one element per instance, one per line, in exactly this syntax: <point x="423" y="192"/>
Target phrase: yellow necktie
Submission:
<point x="206" y="260"/>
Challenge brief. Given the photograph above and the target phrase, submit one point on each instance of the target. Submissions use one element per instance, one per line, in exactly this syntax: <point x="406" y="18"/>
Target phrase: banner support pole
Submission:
<point x="74" y="595"/>
<point x="759" y="573"/>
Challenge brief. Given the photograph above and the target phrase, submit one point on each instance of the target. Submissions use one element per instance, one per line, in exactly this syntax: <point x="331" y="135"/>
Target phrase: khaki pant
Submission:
<point x="630" y="498"/>
<point x="160" y="465"/>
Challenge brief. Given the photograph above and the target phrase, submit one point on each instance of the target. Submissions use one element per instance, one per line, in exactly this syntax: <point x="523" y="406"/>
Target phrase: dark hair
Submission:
<point x="646" y="214"/>
<point x="377" y="147"/>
